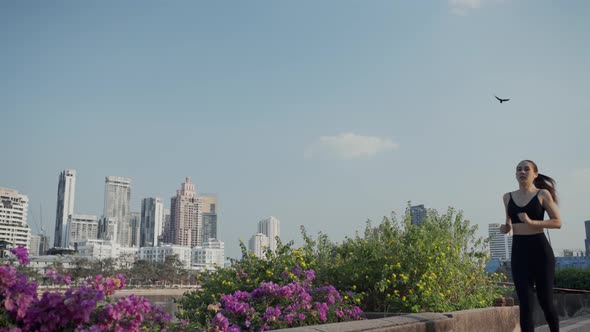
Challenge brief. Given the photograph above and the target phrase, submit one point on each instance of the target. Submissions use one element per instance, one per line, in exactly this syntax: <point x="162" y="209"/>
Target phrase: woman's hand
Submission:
<point x="525" y="218"/>
<point x="505" y="228"/>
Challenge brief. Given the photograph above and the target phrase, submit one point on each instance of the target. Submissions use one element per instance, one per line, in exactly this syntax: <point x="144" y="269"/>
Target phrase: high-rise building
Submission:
<point x="152" y="221"/>
<point x="500" y="244"/>
<point x="418" y="214"/>
<point x="13" y="217"/>
<point x="271" y="227"/>
<point x="117" y="197"/>
<point x="166" y="228"/>
<point x="66" y="192"/>
<point x="81" y="227"/>
<point x="209" y="226"/>
<point x="185" y="217"/>
<point x="135" y="231"/>
<point x="257" y="244"/>
<point x="209" y="203"/>
<point x="587" y="240"/>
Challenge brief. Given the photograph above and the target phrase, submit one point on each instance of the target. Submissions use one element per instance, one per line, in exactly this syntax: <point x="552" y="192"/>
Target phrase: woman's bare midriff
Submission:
<point x="525" y="229"/>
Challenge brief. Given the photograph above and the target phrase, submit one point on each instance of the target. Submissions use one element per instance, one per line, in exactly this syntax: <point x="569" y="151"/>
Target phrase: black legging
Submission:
<point x="533" y="263"/>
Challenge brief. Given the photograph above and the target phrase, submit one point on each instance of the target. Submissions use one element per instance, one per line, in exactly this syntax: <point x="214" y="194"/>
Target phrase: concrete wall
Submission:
<point x="493" y="319"/>
<point x="568" y="306"/>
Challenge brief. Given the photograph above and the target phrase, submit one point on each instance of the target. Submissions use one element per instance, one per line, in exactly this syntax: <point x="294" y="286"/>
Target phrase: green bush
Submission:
<point x="198" y="307"/>
<point x="392" y="267"/>
<point x="399" y="267"/>
<point x="573" y="278"/>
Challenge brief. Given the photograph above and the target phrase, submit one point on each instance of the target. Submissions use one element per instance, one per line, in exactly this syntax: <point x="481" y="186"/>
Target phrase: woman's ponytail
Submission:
<point x="546" y="182"/>
<point x="543" y="181"/>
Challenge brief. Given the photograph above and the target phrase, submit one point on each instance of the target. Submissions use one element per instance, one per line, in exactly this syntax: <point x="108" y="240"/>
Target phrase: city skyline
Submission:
<point x="324" y="114"/>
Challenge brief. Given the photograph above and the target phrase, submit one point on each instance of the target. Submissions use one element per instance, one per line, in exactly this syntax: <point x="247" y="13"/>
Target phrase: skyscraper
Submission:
<point x="209" y="203"/>
<point x="271" y="227"/>
<point x="117" y="197"/>
<point x="66" y="192"/>
<point x="13" y="217"/>
<point x="418" y="214"/>
<point x="500" y="244"/>
<point x="185" y="217"/>
<point x="152" y="221"/>
<point x="135" y="229"/>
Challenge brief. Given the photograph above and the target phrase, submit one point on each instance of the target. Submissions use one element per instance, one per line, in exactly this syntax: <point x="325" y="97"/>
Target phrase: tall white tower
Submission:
<point x="66" y="192"/>
<point x="271" y="227"/>
<point x="117" y="197"/>
<point x="500" y="244"/>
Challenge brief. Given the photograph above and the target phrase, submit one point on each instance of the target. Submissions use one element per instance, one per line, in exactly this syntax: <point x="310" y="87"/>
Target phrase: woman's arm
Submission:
<point x="507" y="227"/>
<point x="548" y="203"/>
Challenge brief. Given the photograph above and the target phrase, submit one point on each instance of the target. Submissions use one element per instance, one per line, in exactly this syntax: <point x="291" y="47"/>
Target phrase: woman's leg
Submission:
<point x="544" y="277"/>
<point x="523" y="282"/>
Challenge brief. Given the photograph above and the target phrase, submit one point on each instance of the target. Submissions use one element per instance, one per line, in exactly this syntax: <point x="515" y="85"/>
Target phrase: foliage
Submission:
<point x="400" y="267"/>
<point x="573" y="278"/>
<point x="394" y="266"/>
<point x="283" y="266"/>
<point x="84" y="308"/>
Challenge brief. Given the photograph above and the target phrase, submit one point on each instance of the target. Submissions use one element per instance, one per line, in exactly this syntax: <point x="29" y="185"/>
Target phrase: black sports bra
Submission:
<point x="533" y="209"/>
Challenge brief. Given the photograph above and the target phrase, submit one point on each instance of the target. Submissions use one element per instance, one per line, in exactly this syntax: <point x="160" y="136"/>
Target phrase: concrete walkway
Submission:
<point x="577" y="324"/>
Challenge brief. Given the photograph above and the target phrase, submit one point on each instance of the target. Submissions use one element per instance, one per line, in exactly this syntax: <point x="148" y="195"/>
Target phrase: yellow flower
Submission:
<point x="403" y="298"/>
<point x="358" y="300"/>
<point x="354" y="287"/>
<point x="398" y="265"/>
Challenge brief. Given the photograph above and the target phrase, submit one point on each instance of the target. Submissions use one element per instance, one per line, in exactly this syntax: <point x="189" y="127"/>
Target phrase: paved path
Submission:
<point x="577" y="324"/>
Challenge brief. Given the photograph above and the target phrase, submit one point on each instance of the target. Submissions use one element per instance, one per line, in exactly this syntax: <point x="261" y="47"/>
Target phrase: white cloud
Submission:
<point x="462" y="7"/>
<point x="349" y="146"/>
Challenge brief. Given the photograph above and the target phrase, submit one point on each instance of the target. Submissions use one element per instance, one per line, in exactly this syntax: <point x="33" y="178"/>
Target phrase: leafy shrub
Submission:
<point x="573" y="278"/>
<point x="283" y="267"/>
<point x="392" y="267"/>
<point x="400" y="267"/>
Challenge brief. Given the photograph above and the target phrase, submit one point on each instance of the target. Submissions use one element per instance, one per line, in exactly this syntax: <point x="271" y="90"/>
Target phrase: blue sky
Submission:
<point x="320" y="113"/>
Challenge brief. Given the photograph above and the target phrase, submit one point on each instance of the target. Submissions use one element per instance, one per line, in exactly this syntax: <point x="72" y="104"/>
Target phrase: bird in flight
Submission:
<point x="501" y="100"/>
